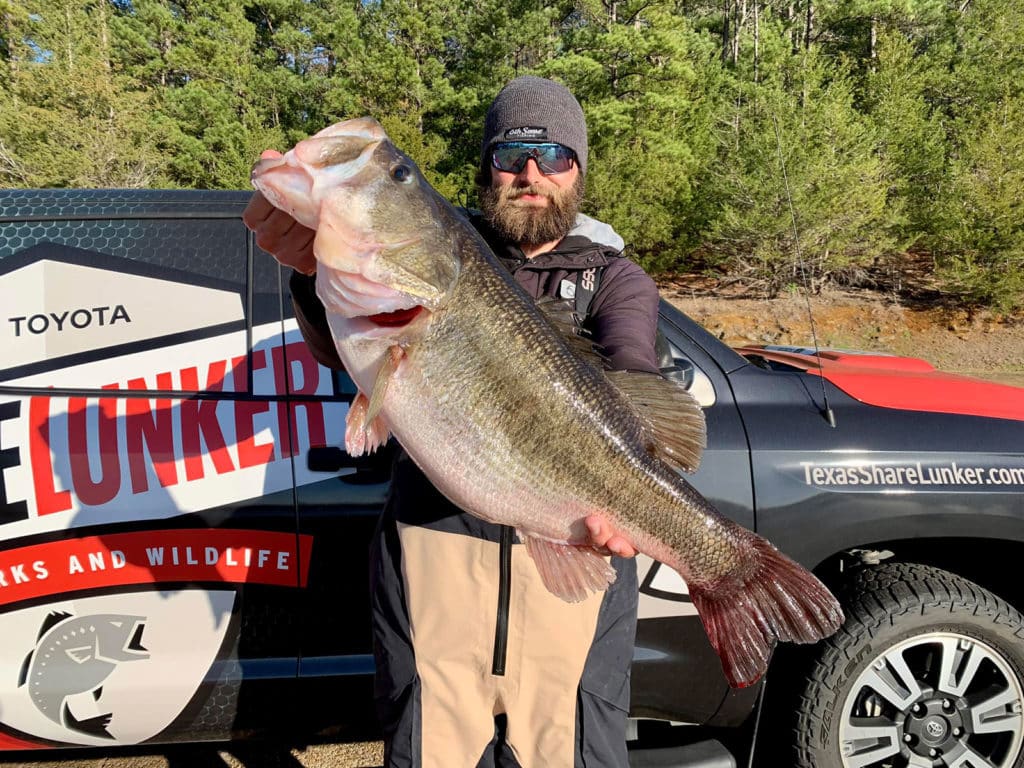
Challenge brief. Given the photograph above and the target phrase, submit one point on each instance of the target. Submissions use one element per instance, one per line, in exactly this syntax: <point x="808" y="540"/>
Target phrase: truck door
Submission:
<point x="148" y="551"/>
<point x="339" y="501"/>
<point x="676" y="674"/>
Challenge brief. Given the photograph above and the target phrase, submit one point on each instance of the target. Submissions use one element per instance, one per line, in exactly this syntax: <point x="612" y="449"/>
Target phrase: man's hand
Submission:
<point x="603" y="536"/>
<point x="278" y="233"/>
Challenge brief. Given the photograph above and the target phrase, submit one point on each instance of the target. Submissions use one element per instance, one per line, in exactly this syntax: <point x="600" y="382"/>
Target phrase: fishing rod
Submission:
<point x="826" y="411"/>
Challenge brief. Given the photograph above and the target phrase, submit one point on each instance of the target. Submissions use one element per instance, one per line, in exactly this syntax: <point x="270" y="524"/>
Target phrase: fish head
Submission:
<point x="119" y="636"/>
<point x="382" y="249"/>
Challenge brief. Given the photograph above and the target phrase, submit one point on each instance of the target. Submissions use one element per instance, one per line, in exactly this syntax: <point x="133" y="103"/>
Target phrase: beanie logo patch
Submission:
<point x="527" y="133"/>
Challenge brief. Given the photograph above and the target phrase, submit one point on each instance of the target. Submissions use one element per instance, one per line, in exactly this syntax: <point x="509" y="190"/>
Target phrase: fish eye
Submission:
<point x="401" y="172"/>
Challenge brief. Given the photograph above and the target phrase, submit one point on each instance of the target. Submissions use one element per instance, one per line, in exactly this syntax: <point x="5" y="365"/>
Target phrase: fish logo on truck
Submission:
<point x="116" y="668"/>
<point x="75" y="655"/>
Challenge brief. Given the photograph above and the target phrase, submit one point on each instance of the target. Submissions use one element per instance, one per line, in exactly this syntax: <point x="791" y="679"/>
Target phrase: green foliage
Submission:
<point x="911" y="137"/>
<point x="893" y="121"/>
<point x="802" y="193"/>
<point x="981" y="250"/>
<point x="68" y="116"/>
<point x="638" y="75"/>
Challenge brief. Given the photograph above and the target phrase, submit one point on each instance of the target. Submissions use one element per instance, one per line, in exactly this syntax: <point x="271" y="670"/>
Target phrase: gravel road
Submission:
<point x="248" y="755"/>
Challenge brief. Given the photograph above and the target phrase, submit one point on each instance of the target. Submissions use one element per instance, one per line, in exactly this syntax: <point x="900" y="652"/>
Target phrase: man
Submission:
<point x="477" y="663"/>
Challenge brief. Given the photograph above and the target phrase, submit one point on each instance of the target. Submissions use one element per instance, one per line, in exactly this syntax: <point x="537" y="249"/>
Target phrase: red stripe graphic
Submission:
<point x="151" y="557"/>
<point x="11" y="742"/>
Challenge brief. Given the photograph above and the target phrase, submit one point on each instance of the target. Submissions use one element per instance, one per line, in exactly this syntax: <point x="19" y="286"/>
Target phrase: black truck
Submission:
<point x="182" y="535"/>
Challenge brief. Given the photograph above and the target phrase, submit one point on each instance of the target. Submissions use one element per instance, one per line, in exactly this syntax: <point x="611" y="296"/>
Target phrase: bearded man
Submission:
<point x="477" y="663"/>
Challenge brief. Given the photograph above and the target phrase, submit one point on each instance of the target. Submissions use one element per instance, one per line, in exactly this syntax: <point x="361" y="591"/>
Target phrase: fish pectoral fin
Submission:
<point x="568" y="571"/>
<point x="363" y="435"/>
<point x="672" y="416"/>
<point x="80" y="654"/>
<point x="380" y="385"/>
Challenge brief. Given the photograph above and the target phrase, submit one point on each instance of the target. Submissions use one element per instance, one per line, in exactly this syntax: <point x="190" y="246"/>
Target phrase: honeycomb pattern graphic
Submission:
<point x="202" y="238"/>
<point x="218" y="712"/>
<point x="78" y="203"/>
<point x="213" y="714"/>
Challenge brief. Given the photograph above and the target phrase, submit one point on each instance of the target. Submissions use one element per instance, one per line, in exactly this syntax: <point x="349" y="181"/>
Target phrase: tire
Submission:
<point x="874" y="697"/>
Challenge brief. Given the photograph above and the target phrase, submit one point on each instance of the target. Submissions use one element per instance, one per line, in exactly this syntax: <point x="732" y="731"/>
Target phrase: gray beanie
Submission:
<point x="536" y="110"/>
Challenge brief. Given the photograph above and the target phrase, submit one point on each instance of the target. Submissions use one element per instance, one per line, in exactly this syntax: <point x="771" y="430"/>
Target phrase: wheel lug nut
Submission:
<point x="947" y="704"/>
<point x="907" y="738"/>
<point x="933" y="753"/>
<point x="958" y="731"/>
<point x="917" y="709"/>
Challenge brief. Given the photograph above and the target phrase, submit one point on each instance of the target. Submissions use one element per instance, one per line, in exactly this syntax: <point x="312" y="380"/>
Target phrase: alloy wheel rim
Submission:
<point x="936" y="700"/>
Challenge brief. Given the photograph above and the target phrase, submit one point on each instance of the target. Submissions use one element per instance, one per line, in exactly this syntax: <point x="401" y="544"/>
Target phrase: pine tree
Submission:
<point x="642" y="76"/>
<point x="71" y="116"/>
<point x="979" y="245"/>
<point x="803" y="194"/>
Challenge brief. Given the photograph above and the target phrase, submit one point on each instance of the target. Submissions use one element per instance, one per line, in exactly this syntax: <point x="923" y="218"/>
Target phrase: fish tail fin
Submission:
<point x="777" y="599"/>
<point x="94" y="726"/>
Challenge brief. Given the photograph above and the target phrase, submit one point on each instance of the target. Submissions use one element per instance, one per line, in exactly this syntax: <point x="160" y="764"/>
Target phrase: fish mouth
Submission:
<point x="374" y="305"/>
<point x="399" y="318"/>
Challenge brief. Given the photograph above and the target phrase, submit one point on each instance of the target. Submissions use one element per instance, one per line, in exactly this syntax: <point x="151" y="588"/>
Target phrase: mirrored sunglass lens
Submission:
<point x="550" y="158"/>
<point x="557" y="159"/>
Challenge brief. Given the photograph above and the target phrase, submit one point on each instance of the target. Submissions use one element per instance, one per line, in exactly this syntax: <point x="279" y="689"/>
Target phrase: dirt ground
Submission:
<point x="952" y="339"/>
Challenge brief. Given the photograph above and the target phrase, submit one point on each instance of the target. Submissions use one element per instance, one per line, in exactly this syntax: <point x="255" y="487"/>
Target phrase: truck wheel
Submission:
<point x="926" y="672"/>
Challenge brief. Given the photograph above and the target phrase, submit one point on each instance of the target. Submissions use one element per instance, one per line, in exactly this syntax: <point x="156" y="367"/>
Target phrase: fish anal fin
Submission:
<point x="569" y="572"/>
<point x="778" y="599"/>
<point x="363" y="436"/>
<point x="561" y="314"/>
<point x="674" y="418"/>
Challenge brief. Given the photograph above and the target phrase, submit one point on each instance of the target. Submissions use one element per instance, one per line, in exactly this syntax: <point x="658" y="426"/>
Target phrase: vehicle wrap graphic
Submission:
<point x="663" y="592"/>
<point x="69" y="461"/>
<point x="996" y="474"/>
<point x="84" y="672"/>
<point x="76" y="654"/>
<point x="906" y="383"/>
<point x="59" y="302"/>
<point x="154" y="557"/>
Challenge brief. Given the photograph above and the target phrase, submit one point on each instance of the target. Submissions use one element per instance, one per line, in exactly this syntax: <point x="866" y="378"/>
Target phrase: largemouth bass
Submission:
<point x="502" y="412"/>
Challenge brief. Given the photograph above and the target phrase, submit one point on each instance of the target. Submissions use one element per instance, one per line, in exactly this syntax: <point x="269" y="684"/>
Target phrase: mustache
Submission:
<point x="514" y="193"/>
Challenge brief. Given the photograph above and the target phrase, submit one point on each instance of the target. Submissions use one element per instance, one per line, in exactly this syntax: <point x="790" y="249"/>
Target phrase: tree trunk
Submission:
<point x="68" y="39"/>
<point x="757" y="38"/>
<point x="726" y="44"/>
<point x="809" y="27"/>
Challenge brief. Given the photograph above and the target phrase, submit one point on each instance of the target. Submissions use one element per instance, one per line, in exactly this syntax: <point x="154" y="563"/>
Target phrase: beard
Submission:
<point x="528" y="225"/>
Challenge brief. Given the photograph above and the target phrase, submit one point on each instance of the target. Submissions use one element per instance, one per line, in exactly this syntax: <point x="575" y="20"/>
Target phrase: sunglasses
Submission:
<point x="512" y="157"/>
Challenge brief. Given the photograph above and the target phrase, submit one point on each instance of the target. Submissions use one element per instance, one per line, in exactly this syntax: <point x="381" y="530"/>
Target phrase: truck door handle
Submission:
<point x="331" y="458"/>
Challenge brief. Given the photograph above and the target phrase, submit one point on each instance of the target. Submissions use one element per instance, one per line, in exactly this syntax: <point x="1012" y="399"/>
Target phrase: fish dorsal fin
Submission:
<point x="53" y="618"/>
<point x="569" y="572"/>
<point x="562" y="316"/>
<point x="673" y="416"/>
<point x="23" y="675"/>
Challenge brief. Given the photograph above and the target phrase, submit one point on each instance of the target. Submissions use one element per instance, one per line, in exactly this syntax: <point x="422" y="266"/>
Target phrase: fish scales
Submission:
<point x="503" y="416"/>
<point x="532" y="403"/>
